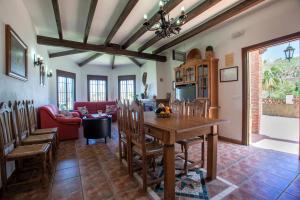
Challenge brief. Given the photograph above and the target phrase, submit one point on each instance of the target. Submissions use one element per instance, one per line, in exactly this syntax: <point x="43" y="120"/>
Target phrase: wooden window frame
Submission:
<point x="126" y="77"/>
<point x="98" y="78"/>
<point x="67" y="75"/>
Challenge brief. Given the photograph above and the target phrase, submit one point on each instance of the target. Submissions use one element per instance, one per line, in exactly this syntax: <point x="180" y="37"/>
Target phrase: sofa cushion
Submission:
<point x="83" y="110"/>
<point x="93" y="107"/>
<point x="111" y="108"/>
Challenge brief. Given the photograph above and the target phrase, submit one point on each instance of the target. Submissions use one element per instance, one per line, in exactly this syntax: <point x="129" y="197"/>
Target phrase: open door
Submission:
<point x="271" y="94"/>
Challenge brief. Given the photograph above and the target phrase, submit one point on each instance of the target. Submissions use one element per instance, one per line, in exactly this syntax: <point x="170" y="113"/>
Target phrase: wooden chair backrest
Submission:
<point x="8" y="129"/>
<point x="136" y="125"/>
<point x="31" y="115"/>
<point x="177" y="106"/>
<point x="21" y="119"/>
<point x="126" y="117"/>
<point x="197" y="108"/>
<point x="120" y="114"/>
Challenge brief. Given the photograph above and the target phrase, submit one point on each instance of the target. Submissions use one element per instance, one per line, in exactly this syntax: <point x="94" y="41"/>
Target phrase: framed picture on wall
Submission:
<point x="229" y="74"/>
<point x="16" y="55"/>
<point x="178" y="55"/>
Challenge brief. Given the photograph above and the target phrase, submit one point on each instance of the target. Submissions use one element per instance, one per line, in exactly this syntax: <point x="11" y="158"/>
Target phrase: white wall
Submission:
<point x="283" y="128"/>
<point x="150" y="68"/>
<point x="15" y="14"/>
<point x="274" y="19"/>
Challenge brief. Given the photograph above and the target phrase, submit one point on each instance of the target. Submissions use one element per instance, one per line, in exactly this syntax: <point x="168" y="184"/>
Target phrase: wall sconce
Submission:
<point x="38" y="60"/>
<point x="48" y="72"/>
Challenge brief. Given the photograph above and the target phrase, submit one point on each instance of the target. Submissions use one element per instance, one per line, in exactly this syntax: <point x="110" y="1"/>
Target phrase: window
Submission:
<point x="66" y="87"/>
<point x="127" y="87"/>
<point x="97" y="88"/>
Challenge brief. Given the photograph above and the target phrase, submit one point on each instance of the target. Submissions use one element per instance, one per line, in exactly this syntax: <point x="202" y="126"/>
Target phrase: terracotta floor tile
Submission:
<point x="271" y="180"/>
<point x="94" y="172"/>
<point x="294" y="189"/>
<point x="260" y="189"/>
<point x="124" y="183"/>
<point x="287" y="196"/>
<point x="97" y="190"/>
<point x="67" y="173"/>
<point x="66" y="163"/>
<point x="66" y="189"/>
<point x="239" y="194"/>
<point x="136" y="194"/>
<point x="215" y="187"/>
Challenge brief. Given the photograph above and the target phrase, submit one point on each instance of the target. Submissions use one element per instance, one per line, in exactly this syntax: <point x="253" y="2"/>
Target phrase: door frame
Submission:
<point x="245" y="80"/>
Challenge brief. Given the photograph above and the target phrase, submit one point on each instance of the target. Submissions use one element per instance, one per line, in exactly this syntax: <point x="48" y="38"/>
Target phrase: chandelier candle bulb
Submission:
<point x="161" y="4"/>
<point x="145" y="17"/>
<point x="182" y="9"/>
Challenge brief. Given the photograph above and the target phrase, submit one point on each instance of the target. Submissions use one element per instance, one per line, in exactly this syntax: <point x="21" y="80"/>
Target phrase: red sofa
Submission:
<point x="68" y="127"/>
<point x="93" y="108"/>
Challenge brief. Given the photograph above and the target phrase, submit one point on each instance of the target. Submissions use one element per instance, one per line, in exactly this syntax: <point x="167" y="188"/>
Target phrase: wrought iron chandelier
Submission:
<point x="166" y="27"/>
<point x="289" y="52"/>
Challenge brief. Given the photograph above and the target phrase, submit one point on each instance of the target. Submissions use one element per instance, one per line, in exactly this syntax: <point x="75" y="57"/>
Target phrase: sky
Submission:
<point x="277" y="51"/>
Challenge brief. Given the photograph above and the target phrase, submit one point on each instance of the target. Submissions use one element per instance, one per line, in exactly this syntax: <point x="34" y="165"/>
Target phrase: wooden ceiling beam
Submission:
<point x="239" y="8"/>
<point x="130" y="5"/>
<point x="113" y="62"/>
<point x="57" y="18"/>
<point x="135" y="61"/>
<point x="98" y="48"/>
<point x="155" y="18"/>
<point x="90" y="59"/>
<point x="65" y="53"/>
<point x="201" y="8"/>
<point x="89" y="21"/>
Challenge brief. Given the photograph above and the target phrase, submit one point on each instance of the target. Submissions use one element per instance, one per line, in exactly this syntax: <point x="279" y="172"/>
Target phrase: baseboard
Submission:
<point x="230" y="140"/>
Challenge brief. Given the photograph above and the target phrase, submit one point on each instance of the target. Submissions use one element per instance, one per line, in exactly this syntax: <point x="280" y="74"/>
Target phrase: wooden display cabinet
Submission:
<point x="204" y="74"/>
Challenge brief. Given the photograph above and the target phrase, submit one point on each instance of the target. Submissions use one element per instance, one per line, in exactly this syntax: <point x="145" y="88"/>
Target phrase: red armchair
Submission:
<point x="68" y="127"/>
<point x="93" y="108"/>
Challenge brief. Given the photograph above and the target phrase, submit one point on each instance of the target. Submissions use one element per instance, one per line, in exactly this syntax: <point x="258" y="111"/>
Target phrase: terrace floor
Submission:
<point x="94" y="172"/>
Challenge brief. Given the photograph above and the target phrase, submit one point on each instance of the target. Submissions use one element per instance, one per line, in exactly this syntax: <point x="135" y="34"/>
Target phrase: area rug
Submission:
<point x="191" y="185"/>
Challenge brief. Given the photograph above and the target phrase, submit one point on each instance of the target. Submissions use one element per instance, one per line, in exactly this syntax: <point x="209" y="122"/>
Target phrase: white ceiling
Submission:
<point x="74" y="14"/>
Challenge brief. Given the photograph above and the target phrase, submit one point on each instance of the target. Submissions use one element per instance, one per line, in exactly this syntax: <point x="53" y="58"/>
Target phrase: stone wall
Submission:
<point x="279" y="108"/>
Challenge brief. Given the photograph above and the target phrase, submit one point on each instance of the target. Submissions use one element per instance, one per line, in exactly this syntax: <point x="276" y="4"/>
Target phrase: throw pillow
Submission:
<point x="111" y="108"/>
<point x="83" y="110"/>
<point x="66" y="113"/>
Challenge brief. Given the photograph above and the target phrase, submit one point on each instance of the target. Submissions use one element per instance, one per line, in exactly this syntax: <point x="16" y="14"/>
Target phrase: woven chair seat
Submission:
<point x="152" y="149"/>
<point x="190" y="141"/>
<point x="123" y="137"/>
<point x="38" y="138"/>
<point x="44" y="131"/>
<point x="28" y="151"/>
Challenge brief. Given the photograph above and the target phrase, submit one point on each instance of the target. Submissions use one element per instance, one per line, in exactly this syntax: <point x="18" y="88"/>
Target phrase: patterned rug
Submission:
<point x="191" y="185"/>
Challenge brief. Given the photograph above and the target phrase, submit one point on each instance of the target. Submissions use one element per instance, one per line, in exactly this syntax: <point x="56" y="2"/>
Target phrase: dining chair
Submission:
<point x="32" y="122"/>
<point x="10" y="150"/>
<point x="147" y="150"/>
<point x="121" y="130"/>
<point x="198" y="108"/>
<point x="177" y="106"/>
<point x="23" y="130"/>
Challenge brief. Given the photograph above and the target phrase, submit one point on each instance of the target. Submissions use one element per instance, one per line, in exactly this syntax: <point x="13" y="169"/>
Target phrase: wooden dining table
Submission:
<point x="178" y="127"/>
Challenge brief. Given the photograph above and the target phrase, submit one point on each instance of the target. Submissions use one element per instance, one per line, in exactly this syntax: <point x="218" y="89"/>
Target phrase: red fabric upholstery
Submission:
<point x="68" y="127"/>
<point x="93" y="108"/>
